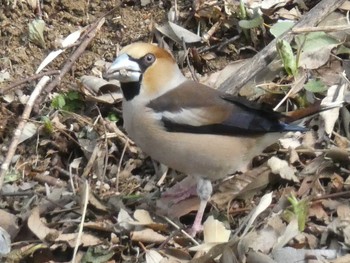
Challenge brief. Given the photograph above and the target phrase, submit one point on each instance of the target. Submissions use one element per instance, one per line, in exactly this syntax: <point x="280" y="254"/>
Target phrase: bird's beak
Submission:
<point x="124" y="69"/>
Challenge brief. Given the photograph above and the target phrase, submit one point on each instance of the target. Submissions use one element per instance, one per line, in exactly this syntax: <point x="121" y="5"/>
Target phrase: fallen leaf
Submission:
<point x="143" y="217"/>
<point x="315" y="48"/>
<point x="49" y="58"/>
<point x="335" y="95"/>
<point x="5" y="242"/>
<point x="147" y="236"/>
<point x="215" y="231"/>
<point x="282" y="168"/>
<point x="291" y="231"/>
<point x="87" y="240"/>
<point x="38" y="228"/>
<point x="153" y="256"/>
<point x="36" y="32"/>
<point x="9" y="223"/>
<point x="28" y="132"/>
<point x="264" y="203"/>
<point x="292" y="255"/>
<point x="71" y="38"/>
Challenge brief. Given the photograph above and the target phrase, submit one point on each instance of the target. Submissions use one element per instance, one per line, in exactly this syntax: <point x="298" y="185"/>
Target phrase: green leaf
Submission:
<point x="315" y="86"/>
<point x="314" y="41"/>
<point x="280" y="27"/>
<point x="58" y="102"/>
<point x="47" y="124"/>
<point x="12" y="176"/>
<point x="288" y="59"/>
<point x="343" y="50"/>
<point x="242" y="11"/>
<point x="36" y="32"/>
<point x="112" y="117"/>
<point x="73" y="95"/>
<point x="70" y="101"/>
<point x="300" y="210"/>
<point x="256" y="21"/>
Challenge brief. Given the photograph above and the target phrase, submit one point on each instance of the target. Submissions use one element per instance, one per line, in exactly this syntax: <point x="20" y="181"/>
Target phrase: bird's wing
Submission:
<point x="196" y="108"/>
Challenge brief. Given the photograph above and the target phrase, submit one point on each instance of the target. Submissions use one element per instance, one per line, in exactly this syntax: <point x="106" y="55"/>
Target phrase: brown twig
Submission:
<point x="21" y="82"/>
<point x="81" y="226"/>
<point x="50" y="180"/>
<point x="320" y="28"/>
<point x="260" y="61"/>
<point x="89" y="35"/>
<point x="194" y="76"/>
<point x="86" y="39"/>
<point x="219" y="46"/>
<point x="17" y="134"/>
<point x="330" y="196"/>
<point x="120" y="165"/>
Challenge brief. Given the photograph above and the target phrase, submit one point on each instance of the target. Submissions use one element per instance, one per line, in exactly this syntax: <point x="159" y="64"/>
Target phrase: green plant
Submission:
<point x="69" y="101"/>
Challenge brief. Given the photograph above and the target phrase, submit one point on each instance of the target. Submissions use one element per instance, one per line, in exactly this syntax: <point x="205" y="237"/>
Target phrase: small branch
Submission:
<point x="50" y="180"/>
<point x="218" y="46"/>
<point x="261" y="60"/>
<point x="333" y="195"/>
<point x="120" y="165"/>
<point x="194" y="76"/>
<point x="81" y="226"/>
<point x="29" y="79"/>
<point x="17" y="134"/>
<point x="86" y="39"/>
<point x="320" y="28"/>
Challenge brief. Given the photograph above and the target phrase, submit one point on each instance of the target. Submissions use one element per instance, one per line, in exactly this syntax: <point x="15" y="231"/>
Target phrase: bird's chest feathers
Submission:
<point x="138" y="120"/>
<point x="129" y="115"/>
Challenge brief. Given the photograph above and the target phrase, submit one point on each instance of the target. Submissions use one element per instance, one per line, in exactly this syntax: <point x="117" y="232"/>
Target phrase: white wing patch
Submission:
<point x="193" y="117"/>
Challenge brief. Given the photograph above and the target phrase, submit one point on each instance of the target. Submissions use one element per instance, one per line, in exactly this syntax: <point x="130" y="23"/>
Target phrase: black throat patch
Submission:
<point x="130" y="89"/>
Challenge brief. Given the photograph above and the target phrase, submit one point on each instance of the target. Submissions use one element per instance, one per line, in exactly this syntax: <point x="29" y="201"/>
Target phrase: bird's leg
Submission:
<point x="204" y="191"/>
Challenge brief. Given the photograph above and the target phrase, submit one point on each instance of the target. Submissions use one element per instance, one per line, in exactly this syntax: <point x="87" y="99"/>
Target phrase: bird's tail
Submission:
<point x="300" y="114"/>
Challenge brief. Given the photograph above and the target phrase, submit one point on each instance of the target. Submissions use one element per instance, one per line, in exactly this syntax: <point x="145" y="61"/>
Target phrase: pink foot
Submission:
<point x="181" y="190"/>
<point x="195" y="229"/>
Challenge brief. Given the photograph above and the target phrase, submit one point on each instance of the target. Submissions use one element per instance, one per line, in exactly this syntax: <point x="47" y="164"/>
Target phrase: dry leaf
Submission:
<point x="49" y="58"/>
<point x="100" y="90"/>
<point x="282" y="168"/>
<point x="264" y="203"/>
<point x="335" y="95"/>
<point x="290" y="232"/>
<point x="38" y="228"/>
<point x="28" y="132"/>
<point x="143" y="217"/>
<point x="71" y="39"/>
<point x="147" y="236"/>
<point x="125" y="220"/>
<point x="9" y="223"/>
<point x="215" y="231"/>
<point x="257" y="241"/>
<point x="292" y="255"/>
<point x="153" y="256"/>
<point x="87" y="240"/>
<point x="5" y="242"/>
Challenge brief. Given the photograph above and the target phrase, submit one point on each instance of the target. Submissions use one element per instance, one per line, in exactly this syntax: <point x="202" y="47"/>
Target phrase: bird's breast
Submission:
<point x="206" y="155"/>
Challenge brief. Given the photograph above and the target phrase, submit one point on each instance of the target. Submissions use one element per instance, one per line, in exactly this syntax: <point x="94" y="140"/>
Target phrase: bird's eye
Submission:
<point x="149" y="59"/>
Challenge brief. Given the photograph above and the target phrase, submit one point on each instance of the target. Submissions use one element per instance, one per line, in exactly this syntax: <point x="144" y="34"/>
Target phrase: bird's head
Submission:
<point x="145" y="69"/>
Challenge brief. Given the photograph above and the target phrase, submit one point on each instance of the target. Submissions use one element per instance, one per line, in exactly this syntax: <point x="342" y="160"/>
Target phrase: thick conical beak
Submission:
<point x="124" y="69"/>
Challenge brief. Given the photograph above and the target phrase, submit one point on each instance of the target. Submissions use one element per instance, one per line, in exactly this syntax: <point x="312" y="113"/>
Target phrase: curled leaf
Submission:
<point x="36" y="32"/>
<point x="288" y="59"/>
<point x="256" y="21"/>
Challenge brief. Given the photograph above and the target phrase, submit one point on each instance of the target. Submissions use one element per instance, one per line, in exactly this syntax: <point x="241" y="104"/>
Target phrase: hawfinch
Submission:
<point x="186" y="125"/>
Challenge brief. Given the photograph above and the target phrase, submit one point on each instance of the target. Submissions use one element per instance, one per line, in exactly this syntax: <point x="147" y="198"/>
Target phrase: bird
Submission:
<point x="188" y="126"/>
